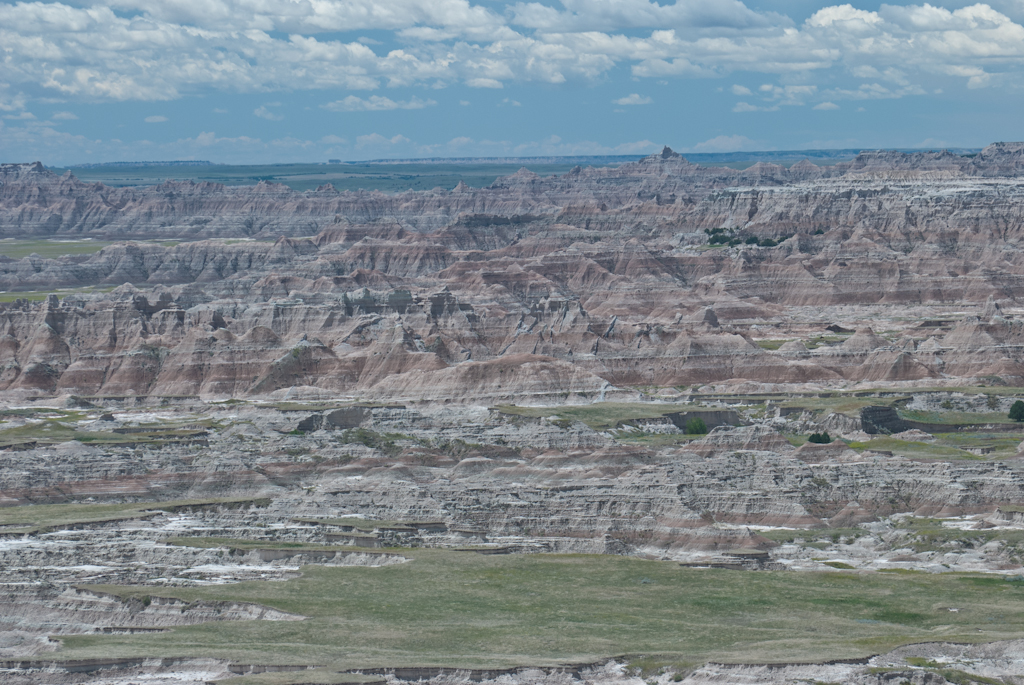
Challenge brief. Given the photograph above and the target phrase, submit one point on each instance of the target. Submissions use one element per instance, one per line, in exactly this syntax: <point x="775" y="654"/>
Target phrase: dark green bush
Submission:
<point x="696" y="426"/>
<point x="820" y="438"/>
<point x="1017" y="411"/>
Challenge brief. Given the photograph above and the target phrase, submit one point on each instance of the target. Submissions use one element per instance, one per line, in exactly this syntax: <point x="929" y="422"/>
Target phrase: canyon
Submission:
<point x="240" y="383"/>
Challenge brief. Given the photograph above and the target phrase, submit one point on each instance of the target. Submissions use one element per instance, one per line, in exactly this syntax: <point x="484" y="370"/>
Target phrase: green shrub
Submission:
<point x="1017" y="411"/>
<point x="696" y="426"/>
<point x="820" y="438"/>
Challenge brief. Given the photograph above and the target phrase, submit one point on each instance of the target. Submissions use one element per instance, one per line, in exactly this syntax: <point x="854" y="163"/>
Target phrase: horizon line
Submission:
<point x="737" y="155"/>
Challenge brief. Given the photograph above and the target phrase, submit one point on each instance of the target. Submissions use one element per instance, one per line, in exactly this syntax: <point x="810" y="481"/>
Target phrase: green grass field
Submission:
<point x="928" y="534"/>
<point x="48" y="248"/>
<point x="37" y="517"/>
<point x="600" y="415"/>
<point x="915" y="450"/>
<point x="18" y="248"/>
<point x="848" y="404"/>
<point x="446" y="608"/>
<point x="40" y="295"/>
<point x="53" y="426"/>
<point x="954" y="418"/>
<point x="53" y="431"/>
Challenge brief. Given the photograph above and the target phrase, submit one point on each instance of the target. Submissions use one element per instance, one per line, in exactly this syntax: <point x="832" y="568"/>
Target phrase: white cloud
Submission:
<point x="218" y="110"/>
<point x="633" y="99"/>
<point x="38" y="140"/>
<point x="979" y="81"/>
<point x="377" y="140"/>
<point x="54" y="147"/>
<point x="64" y="116"/>
<point x="747" y="107"/>
<point x="376" y="103"/>
<point x="611" y="15"/>
<point x="872" y="91"/>
<point x="787" y="95"/>
<point x="102" y="50"/>
<point x="263" y="112"/>
<point x="826" y="106"/>
<point x="11" y="103"/>
<point x="464" y="103"/>
<point x="484" y="83"/>
<point x="155" y="119"/>
<point x="511" y="103"/>
<point x="318" y="17"/>
<point x="731" y="143"/>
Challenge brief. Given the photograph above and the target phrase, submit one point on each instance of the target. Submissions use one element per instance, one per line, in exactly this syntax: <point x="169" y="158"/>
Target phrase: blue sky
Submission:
<point x="257" y="81"/>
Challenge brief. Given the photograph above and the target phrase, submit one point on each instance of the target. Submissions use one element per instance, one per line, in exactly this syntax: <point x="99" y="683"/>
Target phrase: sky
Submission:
<point x="277" y="81"/>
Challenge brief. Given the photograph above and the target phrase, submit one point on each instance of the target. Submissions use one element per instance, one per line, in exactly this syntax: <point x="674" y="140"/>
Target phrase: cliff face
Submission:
<point x="603" y="279"/>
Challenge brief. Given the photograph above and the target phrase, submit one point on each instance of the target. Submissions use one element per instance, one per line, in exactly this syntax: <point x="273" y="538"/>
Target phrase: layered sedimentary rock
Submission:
<point x="604" y="278"/>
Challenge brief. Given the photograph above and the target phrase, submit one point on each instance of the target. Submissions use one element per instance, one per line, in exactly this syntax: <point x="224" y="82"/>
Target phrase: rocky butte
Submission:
<point x="324" y="378"/>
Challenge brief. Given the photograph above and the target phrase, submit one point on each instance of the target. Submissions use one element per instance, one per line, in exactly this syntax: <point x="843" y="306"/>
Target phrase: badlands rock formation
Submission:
<point x="341" y="367"/>
<point x="657" y="273"/>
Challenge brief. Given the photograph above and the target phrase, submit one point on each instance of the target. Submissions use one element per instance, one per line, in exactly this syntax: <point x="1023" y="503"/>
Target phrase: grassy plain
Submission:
<point x="928" y="534"/>
<point x="40" y="295"/>
<point x="954" y="418"/>
<point x="913" y="449"/>
<point x="600" y="415"/>
<point x="36" y="517"/>
<point x="445" y="608"/>
<point x="51" y="248"/>
<point x="54" y="426"/>
<point x="16" y="248"/>
<point x="215" y="543"/>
